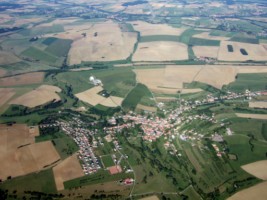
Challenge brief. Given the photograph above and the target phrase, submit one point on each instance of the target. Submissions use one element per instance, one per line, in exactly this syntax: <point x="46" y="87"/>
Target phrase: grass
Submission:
<point x="153" y="38"/>
<point x="49" y="40"/>
<point x="191" y="193"/>
<point x="37" y="54"/>
<point x="203" y="42"/>
<point x="245" y="40"/>
<point x="59" y="47"/>
<point x="42" y="181"/>
<point x="46" y="137"/>
<point x="65" y="146"/>
<point x="135" y="96"/>
<point x="107" y="161"/>
<point x="100" y="177"/>
<point x="186" y="35"/>
<point x="253" y="82"/>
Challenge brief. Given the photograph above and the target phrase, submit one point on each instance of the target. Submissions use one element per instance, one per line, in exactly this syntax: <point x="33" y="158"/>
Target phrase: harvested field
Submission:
<point x="257" y="169"/>
<point x="160" y="51"/>
<point x="170" y="79"/>
<point x="252" y="116"/>
<point x="92" y="97"/>
<point x="24" y="79"/>
<point x="19" y="155"/>
<point x="258" y="192"/>
<point x="6" y="94"/>
<point x="156" y="29"/>
<point x="39" y="96"/>
<point x="255" y="52"/>
<point x="2" y="72"/>
<point x="206" y="51"/>
<point x="150" y="198"/>
<point x="256" y="104"/>
<point x="104" y="42"/>
<point x="146" y="108"/>
<point x="8" y="58"/>
<point x="206" y="35"/>
<point x="68" y="169"/>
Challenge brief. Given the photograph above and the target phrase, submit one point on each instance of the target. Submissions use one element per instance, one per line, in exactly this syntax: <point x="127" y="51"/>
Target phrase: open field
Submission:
<point x="104" y="42"/>
<point x="257" y="169"/>
<point x="8" y="58"/>
<point x="6" y="94"/>
<point x="68" y="169"/>
<point x="172" y="78"/>
<point x="256" y="104"/>
<point x="252" y="116"/>
<point x="206" y="51"/>
<point x="24" y="79"/>
<point x="146" y="108"/>
<point x="255" y="52"/>
<point x="206" y="35"/>
<point x="156" y="29"/>
<point x="150" y="198"/>
<point x="39" y="96"/>
<point x="92" y="97"/>
<point x="20" y="155"/>
<point x="2" y="72"/>
<point x="258" y="192"/>
<point x="160" y="51"/>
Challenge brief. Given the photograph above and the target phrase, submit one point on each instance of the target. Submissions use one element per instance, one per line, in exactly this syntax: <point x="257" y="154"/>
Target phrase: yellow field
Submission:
<point x="252" y="116"/>
<point x="258" y="104"/>
<point x="8" y="58"/>
<point x="150" y="198"/>
<point x="2" y="72"/>
<point x="171" y="79"/>
<point x="92" y="97"/>
<point x="68" y="169"/>
<point x="19" y="155"/>
<point x="255" y="52"/>
<point x="39" y="96"/>
<point x="6" y="94"/>
<point x="160" y="51"/>
<point x="24" y="79"/>
<point x="257" y="169"/>
<point x="156" y="29"/>
<point x="257" y="192"/>
<point x="104" y="42"/>
<point x="206" y="51"/>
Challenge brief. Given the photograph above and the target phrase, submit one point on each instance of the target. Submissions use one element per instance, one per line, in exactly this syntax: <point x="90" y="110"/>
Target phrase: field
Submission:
<point x="104" y="42"/>
<point x="5" y="95"/>
<point x="156" y="29"/>
<point x="160" y="51"/>
<point x="252" y="116"/>
<point x="255" y="104"/>
<point x="92" y="97"/>
<point x="257" y="169"/>
<point x="255" y="52"/>
<point x="150" y="198"/>
<point x="39" y="96"/>
<point x="8" y="58"/>
<point x="20" y="155"/>
<point x="68" y="169"/>
<point x="38" y="55"/>
<point x="24" y="79"/>
<point x="146" y="108"/>
<point x="107" y="161"/>
<point x="205" y="51"/>
<point x="258" y="192"/>
<point x="206" y="35"/>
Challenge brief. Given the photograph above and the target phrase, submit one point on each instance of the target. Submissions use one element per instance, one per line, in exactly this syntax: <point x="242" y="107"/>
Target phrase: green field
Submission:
<point x="154" y="38"/>
<point x="134" y="97"/>
<point x="203" y="42"/>
<point x="42" y="30"/>
<point x="107" y="161"/>
<point x="186" y="35"/>
<point x="65" y="146"/>
<point x="245" y="40"/>
<point x="59" y="47"/>
<point x="42" y="181"/>
<point x="37" y="54"/>
<point x="49" y="40"/>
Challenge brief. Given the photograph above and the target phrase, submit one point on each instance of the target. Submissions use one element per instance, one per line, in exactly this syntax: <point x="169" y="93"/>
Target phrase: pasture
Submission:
<point x="38" y="96"/>
<point x="160" y="51"/>
<point x="68" y="169"/>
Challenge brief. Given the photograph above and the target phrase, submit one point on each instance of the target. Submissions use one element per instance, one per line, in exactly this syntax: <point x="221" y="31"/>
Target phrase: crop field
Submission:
<point x="255" y="104"/>
<point x="24" y="79"/>
<point x="252" y="116"/>
<point x="146" y="108"/>
<point x="104" y="42"/>
<point x="160" y="51"/>
<point x="257" y="169"/>
<point x="206" y="35"/>
<point x="203" y="42"/>
<point x="255" y="52"/>
<point x="258" y="192"/>
<point x="5" y="95"/>
<point x="39" y="96"/>
<point x="2" y="72"/>
<point x="20" y="155"/>
<point x="68" y="169"/>
<point x="59" y="47"/>
<point x="205" y="51"/>
<point x="150" y="198"/>
<point x="156" y="29"/>
<point x="8" y="58"/>
<point x="153" y="38"/>
<point x="92" y="97"/>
